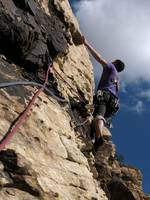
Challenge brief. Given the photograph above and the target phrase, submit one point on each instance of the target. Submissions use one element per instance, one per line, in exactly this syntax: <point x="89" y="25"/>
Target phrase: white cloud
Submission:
<point x="138" y="107"/>
<point x="145" y="94"/>
<point x="119" y="29"/>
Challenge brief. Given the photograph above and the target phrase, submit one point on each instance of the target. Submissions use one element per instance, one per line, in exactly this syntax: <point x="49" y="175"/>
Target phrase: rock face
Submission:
<point x="35" y="30"/>
<point x="118" y="180"/>
<point x="49" y="157"/>
<point x="43" y="160"/>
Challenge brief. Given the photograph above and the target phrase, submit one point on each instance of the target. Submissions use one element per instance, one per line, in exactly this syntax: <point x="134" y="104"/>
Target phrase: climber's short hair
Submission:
<point x="119" y="65"/>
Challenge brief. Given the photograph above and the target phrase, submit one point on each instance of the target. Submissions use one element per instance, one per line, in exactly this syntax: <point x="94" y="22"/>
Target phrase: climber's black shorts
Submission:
<point x="105" y="104"/>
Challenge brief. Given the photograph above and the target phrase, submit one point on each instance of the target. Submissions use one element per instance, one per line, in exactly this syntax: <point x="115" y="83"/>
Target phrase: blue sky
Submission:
<point x="121" y="29"/>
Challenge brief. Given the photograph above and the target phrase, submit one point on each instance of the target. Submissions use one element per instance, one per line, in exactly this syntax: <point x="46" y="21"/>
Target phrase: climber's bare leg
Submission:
<point x="99" y="125"/>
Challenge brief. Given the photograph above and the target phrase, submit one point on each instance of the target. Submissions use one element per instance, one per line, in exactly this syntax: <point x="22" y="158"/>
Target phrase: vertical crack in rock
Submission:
<point x="72" y="29"/>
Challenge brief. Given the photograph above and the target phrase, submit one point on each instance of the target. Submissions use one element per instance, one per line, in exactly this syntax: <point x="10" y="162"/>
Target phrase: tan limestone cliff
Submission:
<point x="43" y="160"/>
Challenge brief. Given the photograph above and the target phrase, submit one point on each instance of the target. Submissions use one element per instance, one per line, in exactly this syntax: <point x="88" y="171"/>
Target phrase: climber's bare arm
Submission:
<point x="94" y="53"/>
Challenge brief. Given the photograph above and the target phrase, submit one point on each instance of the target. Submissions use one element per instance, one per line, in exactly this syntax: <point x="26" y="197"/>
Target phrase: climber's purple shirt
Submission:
<point x="108" y="78"/>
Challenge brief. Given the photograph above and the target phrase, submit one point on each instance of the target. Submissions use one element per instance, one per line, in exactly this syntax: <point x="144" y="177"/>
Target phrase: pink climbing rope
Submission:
<point x="23" y="116"/>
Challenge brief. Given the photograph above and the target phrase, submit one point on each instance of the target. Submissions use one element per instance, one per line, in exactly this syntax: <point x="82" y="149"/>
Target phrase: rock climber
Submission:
<point x="106" y="102"/>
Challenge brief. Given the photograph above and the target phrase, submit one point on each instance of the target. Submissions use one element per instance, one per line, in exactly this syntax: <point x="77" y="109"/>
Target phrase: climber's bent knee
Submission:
<point x="99" y="117"/>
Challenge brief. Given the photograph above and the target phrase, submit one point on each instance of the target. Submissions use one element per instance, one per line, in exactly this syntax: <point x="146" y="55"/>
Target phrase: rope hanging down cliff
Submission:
<point x="31" y="83"/>
<point x="23" y="116"/>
